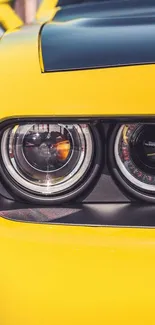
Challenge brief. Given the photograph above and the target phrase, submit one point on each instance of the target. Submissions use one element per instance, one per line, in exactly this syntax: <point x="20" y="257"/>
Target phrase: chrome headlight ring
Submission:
<point x="133" y="164"/>
<point x="49" y="162"/>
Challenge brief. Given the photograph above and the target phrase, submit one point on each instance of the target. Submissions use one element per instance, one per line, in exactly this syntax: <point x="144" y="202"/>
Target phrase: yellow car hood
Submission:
<point x="27" y="91"/>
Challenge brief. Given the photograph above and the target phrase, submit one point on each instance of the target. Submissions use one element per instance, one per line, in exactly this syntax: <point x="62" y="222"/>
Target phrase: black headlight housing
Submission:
<point x="49" y="162"/>
<point x="104" y="167"/>
<point x="132" y="159"/>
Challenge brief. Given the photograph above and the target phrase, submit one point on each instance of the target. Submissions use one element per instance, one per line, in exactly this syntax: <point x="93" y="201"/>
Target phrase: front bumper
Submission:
<point x="67" y="274"/>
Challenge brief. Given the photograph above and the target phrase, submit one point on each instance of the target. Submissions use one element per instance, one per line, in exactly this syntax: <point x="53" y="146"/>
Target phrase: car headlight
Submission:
<point x="47" y="159"/>
<point x="134" y="151"/>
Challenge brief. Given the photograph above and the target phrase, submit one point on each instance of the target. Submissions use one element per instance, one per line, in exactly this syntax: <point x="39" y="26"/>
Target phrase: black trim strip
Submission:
<point x="148" y="118"/>
<point x="118" y="214"/>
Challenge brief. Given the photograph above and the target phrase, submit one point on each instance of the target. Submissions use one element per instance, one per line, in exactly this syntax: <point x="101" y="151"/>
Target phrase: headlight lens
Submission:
<point x="135" y="154"/>
<point x="47" y="158"/>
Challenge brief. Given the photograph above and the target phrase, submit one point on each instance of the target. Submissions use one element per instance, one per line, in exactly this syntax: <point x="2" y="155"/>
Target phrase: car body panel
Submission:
<point x="71" y="274"/>
<point x="72" y="93"/>
<point x="107" y="8"/>
<point x="65" y="274"/>
<point x="116" y="42"/>
<point x="89" y="94"/>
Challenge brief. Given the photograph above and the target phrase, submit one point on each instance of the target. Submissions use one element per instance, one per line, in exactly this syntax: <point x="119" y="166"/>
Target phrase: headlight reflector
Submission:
<point x="134" y="151"/>
<point x="47" y="158"/>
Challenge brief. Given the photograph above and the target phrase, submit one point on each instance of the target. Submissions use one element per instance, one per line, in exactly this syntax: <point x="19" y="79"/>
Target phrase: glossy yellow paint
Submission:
<point x="111" y="91"/>
<point x="76" y="275"/>
<point x="8" y="17"/>
<point x="72" y="274"/>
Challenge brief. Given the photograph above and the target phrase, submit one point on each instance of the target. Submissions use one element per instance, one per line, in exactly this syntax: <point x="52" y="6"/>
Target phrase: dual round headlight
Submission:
<point x="134" y="151"/>
<point x="48" y="160"/>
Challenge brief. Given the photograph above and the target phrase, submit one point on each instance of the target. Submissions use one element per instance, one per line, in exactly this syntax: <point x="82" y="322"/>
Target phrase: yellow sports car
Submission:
<point x="77" y="166"/>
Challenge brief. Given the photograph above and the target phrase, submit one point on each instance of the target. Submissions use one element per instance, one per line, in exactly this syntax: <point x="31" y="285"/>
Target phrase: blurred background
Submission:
<point x="26" y="9"/>
<point x="14" y="13"/>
